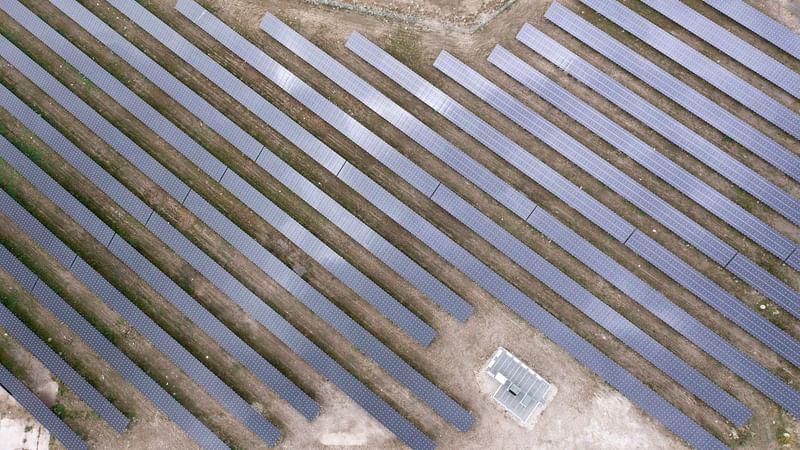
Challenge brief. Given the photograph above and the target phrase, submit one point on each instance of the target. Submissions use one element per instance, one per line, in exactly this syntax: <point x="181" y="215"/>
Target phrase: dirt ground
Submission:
<point x="585" y="413"/>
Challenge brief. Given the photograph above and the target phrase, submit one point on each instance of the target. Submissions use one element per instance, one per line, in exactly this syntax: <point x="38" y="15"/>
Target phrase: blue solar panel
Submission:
<point x="676" y="132"/>
<point x="658" y="164"/>
<point x="730" y="44"/>
<point x="390" y="111"/>
<point x="594" y="308"/>
<point x="700" y="65"/>
<point x="757" y="22"/>
<point x="116" y="359"/>
<point x="794" y="260"/>
<point x="194" y="152"/>
<point x="705" y="108"/>
<point x="306" y="190"/>
<point x="550" y="179"/>
<point x="40" y="411"/>
<point x="65" y="373"/>
<point x="669" y="171"/>
<point x="326" y="310"/>
<point x="534" y="314"/>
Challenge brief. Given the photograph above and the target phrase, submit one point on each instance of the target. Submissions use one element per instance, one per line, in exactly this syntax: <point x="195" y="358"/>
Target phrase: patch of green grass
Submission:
<point x="60" y="410"/>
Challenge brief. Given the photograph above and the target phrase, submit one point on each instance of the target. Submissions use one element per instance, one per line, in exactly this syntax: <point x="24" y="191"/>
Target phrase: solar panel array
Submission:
<point x="686" y="96"/>
<point x="165" y="343"/>
<point x="268" y="374"/>
<point x="648" y="157"/>
<point x="362" y="285"/>
<point x="516" y="300"/>
<point x="730" y="44"/>
<point x="57" y="366"/>
<point x="284" y="173"/>
<point x="116" y="359"/>
<point x="757" y="22"/>
<point x="594" y="308"/>
<point x="738" y="89"/>
<point x="641" y="292"/>
<point x="739" y="313"/>
<point x="40" y="411"/>
<point x="582" y="299"/>
<point x="310" y="297"/>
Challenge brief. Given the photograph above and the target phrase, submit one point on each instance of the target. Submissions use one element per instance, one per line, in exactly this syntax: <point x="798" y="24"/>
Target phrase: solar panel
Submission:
<point x="171" y="348"/>
<point x="40" y="411"/>
<point x="748" y="319"/>
<point x="700" y="65"/>
<point x="681" y="93"/>
<point x="290" y="336"/>
<point x="58" y="367"/>
<point x="423" y="135"/>
<point x="594" y="308"/>
<point x="534" y="314"/>
<point x="284" y="173"/>
<point x="390" y="111"/>
<point x="111" y="354"/>
<point x="367" y="289"/>
<point x="682" y="136"/>
<point x="648" y="157"/>
<point x="538" y="171"/>
<point x="761" y="24"/>
<point x="681" y="321"/>
<point x="629" y="144"/>
<point x="730" y="44"/>
<point x="794" y="260"/>
<point x="326" y="310"/>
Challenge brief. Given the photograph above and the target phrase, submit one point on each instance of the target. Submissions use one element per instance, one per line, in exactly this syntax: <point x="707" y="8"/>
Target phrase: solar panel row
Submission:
<point x="748" y="319"/>
<point x="324" y="308"/>
<point x="111" y="354"/>
<point x="40" y="411"/>
<point x="705" y="108"/>
<point x="757" y="22"/>
<point x="184" y="360"/>
<point x="284" y="173"/>
<point x="594" y="308"/>
<point x="700" y="65"/>
<point x="691" y="142"/>
<point x="602" y="264"/>
<point x="671" y="172"/>
<point x="582" y="299"/>
<point x="730" y="44"/>
<point x="524" y="306"/>
<point x="637" y="149"/>
<point x="125" y="198"/>
<point x="362" y="285"/>
<point x="57" y="366"/>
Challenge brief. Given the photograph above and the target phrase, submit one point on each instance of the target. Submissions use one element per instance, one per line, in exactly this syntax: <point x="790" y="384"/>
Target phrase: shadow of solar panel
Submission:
<point x="58" y="367"/>
<point x="705" y="108"/>
<point x="40" y="411"/>
<point x="730" y="44"/>
<point x="194" y="152"/>
<point x="395" y="259"/>
<point x="681" y="321"/>
<point x="329" y="259"/>
<point x="632" y="146"/>
<point x="629" y="144"/>
<point x="535" y="315"/>
<point x="595" y="309"/>
<point x="761" y="24"/>
<point x="691" y="142"/>
<point x="390" y="111"/>
<point x="116" y="359"/>
<point x="548" y="178"/>
<point x="700" y="65"/>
